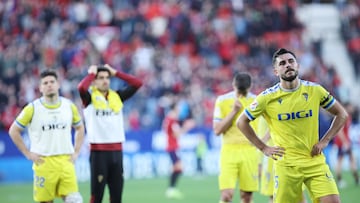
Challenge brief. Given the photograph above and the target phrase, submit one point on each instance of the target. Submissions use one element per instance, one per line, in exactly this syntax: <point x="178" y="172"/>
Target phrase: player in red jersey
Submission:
<point x="173" y="129"/>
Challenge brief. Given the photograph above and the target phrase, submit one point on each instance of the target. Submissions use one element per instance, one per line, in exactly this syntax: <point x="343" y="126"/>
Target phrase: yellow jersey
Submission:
<point x="292" y="116"/>
<point x="49" y="126"/>
<point x="223" y="106"/>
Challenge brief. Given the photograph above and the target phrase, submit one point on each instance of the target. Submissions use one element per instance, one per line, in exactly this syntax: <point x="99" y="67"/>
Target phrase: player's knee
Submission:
<point x="246" y="196"/>
<point x="73" y="198"/>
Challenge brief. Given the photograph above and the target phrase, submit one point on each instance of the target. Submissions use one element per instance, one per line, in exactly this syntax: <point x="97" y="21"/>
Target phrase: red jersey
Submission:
<point x="346" y="128"/>
<point x="172" y="142"/>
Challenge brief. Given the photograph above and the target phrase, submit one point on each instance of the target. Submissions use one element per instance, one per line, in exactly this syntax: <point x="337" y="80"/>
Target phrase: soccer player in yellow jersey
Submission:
<point x="239" y="159"/>
<point x="291" y="109"/>
<point x="49" y="121"/>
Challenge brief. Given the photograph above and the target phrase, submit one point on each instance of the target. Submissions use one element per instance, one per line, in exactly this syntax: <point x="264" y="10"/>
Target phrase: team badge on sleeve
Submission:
<point x="253" y="105"/>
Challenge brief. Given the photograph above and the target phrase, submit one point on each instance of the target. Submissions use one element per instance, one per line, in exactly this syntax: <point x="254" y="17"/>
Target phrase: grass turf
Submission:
<point x="195" y="189"/>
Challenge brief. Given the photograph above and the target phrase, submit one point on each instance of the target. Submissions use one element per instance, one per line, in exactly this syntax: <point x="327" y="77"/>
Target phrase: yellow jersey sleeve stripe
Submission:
<point x="20" y="125"/>
<point x="248" y="114"/>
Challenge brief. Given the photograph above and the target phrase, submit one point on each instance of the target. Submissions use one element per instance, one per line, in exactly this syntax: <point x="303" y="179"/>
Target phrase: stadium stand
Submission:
<point x="183" y="48"/>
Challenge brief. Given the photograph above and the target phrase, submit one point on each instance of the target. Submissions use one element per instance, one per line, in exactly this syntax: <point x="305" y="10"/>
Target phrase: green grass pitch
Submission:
<point x="195" y="189"/>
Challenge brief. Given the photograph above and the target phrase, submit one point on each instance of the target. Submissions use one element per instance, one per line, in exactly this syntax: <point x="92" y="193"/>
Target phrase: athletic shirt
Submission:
<point x="292" y="116"/>
<point x="172" y="141"/>
<point x="103" y="125"/>
<point x="223" y="106"/>
<point x="49" y="126"/>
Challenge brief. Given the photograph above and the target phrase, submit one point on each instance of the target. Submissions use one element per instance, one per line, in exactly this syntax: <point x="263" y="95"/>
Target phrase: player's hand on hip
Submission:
<point x="317" y="148"/>
<point x="74" y="156"/>
<point x="274" y="152"/>
<point x="36" y="158"/>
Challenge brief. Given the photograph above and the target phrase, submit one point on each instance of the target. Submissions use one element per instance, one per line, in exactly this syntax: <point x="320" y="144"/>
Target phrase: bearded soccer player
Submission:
<point x="291" y="109"/>
<point x="105" y="128"/>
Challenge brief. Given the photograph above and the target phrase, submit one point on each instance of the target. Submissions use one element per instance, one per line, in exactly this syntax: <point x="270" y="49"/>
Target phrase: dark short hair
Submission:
<point x="102" y="69"/>
<point x="242" y="82"/>
<point x="48" y="72"/>
<point x="279" y="52"/>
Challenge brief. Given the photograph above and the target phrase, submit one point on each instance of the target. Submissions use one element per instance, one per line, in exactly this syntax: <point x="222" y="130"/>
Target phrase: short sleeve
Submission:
<point x="256" y="108"/>
<point x="25" y="116"/>
<point x="76" y="115"/>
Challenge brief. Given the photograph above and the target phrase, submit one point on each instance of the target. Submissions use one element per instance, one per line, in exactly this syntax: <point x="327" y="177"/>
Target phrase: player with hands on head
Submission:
<point x="105" y="128"/>
<point x="291" y="109"/>
<point x="49" y="121"/>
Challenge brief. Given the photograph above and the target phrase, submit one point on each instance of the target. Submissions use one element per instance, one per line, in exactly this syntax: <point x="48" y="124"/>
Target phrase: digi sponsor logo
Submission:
<point x="53" y="126"/>
<point x="294" y="115"/>
<point x="100" y="112"/>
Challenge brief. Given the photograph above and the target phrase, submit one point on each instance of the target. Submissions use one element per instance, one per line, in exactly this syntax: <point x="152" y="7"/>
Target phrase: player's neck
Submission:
<point x="290" y="85"/>
<point x="105" y="93"/>
<point x="51" y="99"/>
<point x="240" y="95"/>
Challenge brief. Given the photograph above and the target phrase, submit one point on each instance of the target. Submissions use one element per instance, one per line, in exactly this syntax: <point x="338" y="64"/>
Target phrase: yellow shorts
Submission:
<point x="289" y="180"/>
<point x="54" y="178"/>
<point x="239" y="164"/>
<point x="267" y="177"/>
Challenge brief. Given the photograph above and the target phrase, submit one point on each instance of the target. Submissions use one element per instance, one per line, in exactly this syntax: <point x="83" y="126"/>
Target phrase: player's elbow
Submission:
<point x="81" y="88"/>
<point x="217" y="131"/>
<point x="343" y="116"/>
<point x="218" y="128"/>
<point x="14" y="130"/>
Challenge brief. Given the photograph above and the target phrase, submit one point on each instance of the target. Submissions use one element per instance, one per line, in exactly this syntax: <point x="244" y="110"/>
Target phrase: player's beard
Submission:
<point x="291" y="77"/>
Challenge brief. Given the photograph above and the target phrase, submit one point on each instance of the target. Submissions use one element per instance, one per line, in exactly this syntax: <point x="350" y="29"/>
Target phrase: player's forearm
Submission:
<point x="131" y="80"/>
<point x="79" y="139"/>
<point x="251" y="135"/>
<point x="85" y="83"/>
<point x="244" y="126"/>
<point x="223" y="125"/>
<point x="336" y="125"/>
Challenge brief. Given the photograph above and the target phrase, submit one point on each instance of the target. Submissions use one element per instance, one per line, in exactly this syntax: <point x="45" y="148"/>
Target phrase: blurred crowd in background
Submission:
<point x="350" y="30"/>
<point x="183" y="50"/>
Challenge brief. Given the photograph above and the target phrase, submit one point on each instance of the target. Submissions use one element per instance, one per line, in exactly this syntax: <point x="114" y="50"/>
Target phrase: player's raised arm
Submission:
<point x="223" y="125"/>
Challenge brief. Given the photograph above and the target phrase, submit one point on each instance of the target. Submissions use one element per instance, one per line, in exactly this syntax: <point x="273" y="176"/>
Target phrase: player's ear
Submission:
<point x="275" y="71"/>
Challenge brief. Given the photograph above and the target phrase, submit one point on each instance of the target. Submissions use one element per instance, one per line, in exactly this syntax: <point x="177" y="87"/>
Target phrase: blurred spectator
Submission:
<point x="350" y="27"/>
<point x="178" y="47"/>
